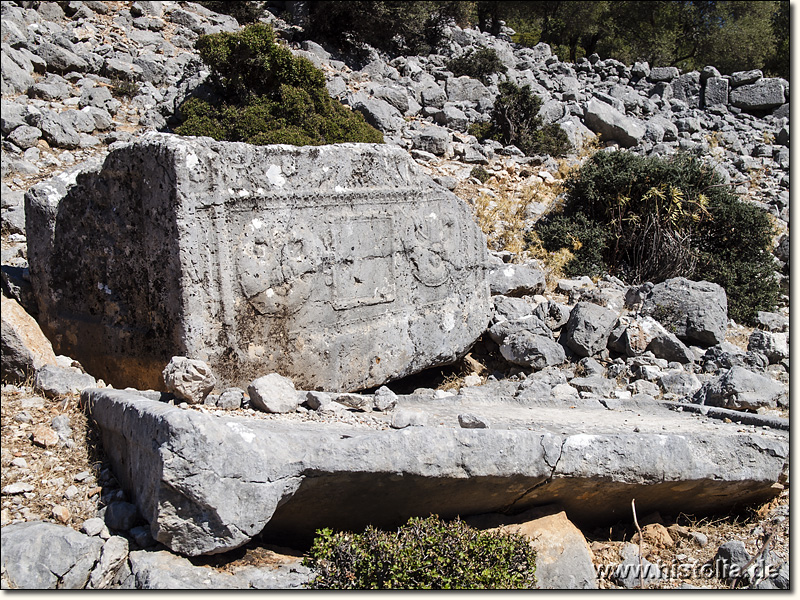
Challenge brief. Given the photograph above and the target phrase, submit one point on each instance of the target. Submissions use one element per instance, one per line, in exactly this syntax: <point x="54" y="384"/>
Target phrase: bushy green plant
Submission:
<point x="650" y="219"/>
<point x="482" y="130"/>
<point x="584" y="237"/>
<point x="479" y="64"/>
<point x="515" y="120"/>
<point x="424" y="553"/>
<point x="266" y="95"/>
<point x="480" y="174"/>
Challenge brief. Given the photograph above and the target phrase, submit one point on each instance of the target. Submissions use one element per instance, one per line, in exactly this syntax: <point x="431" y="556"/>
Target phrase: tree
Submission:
<point x="395" y="27"/>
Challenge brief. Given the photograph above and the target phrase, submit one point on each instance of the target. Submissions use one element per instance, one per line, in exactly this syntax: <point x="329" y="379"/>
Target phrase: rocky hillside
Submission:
<point x="658" y="373"/>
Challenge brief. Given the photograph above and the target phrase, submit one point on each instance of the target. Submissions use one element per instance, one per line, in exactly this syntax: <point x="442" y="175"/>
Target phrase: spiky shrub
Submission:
<point x="424" y="553"/>
<point x="650" y="218"/>
<point x="266" y="95"/>
<point x="515" y="120"/>
<point x="480" y="64"/>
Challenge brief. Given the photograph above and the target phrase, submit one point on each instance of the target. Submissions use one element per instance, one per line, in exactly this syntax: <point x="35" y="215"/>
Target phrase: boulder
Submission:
<point x="25" y="349"/>
<point x="762" y="95"/>
<point x="679" y="383"/>
<point x="189" y="379"/>
<point x="112" y="558"/>
<point x="38" y="555"/>
<point x="162" y="570"/>
<point x="377" y="112"/>
<point x="54" y="381"/>
<point x="695" y="311"/>
<point x="663" y="74"/>
<point x="121" y="516"/>
<point x="586" y="333"/>
<point x="632" y="571"/>
<point x="687" y="88"/>
<point x="773" y="345"/>
<point x="531" y="350"/>
<point x="554" y="314"/>
<point x="209" y="483"/>
<point x="563" y="557"/>
<point x="531" y="324"/>
<point x="57" y="129"/>
<point x="507" y="307"/>
<point x="273" y="393"/>
<point x="715" y="92"/>
<point x="772" y="321"/>
<point x="612" y="124"/>
<point x="744" y="77"/>
<point x="452" y="117"/>
<point x="741" y="389"/>
<point x="730" y="560"/>
<point x="59" y="59"/>
<point x="467" y="89"/>
<point x="433" y="139"/>
<point x="515" y="280"/>
<point x="342" y="266"/>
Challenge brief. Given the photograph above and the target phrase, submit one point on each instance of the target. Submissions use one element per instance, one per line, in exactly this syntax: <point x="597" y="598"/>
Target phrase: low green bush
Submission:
<point x="480" y="129"/>
<point x="515" y="120"/>
<point x="266" y="95"/>
<point x="650" y="219"/>
<point x="480" y="64"/>
<point x="424" y="553"/>
<point x="480" y="174"/>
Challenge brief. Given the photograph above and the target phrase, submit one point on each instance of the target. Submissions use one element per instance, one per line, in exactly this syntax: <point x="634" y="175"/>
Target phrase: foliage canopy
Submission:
<point x="396" y="27"/>
<point x="685" y="34"/>
<point x="266" y="95"/>
<point x="650" y="219"/>
<point x="424" y="553"/>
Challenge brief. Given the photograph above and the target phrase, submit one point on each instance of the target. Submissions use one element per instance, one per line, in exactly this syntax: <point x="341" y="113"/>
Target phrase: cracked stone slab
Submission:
<point x="342" y="267"/>
<point x="208" y="483"/>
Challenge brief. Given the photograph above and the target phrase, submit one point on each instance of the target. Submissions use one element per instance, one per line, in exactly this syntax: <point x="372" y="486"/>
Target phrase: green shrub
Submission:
<point x="480" y="174"/>
<point x="650" y="219"/>
<point x="515" y="120"/>
<point x="423" y="554"/>
<point x="243" y="12"/>
<point x="482" y="130"/>
<point x="479" y="64"/>
<point x="267" y="96"/>
<point x="584" y="237"/>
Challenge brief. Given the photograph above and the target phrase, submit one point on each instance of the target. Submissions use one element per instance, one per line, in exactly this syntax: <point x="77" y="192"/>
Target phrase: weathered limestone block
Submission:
<point x="611" y="124"/>
<point x="341" y="267"/>
<point x="208" y="483"/>
<point x="695" y="311"/>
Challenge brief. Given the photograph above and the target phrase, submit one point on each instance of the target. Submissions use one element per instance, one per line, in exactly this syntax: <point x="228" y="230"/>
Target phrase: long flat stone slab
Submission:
<point x="208" y="482"/>
<point x="341" y="267"/>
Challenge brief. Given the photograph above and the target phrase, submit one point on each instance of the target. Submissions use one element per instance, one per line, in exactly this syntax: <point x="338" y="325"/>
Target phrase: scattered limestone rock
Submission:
<point x="54" y="381"/>
<point x="273" y="393"/>
<point x="189" y="379"/>
<point x="42" y="555"/>
<point x="695" y="311"/>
